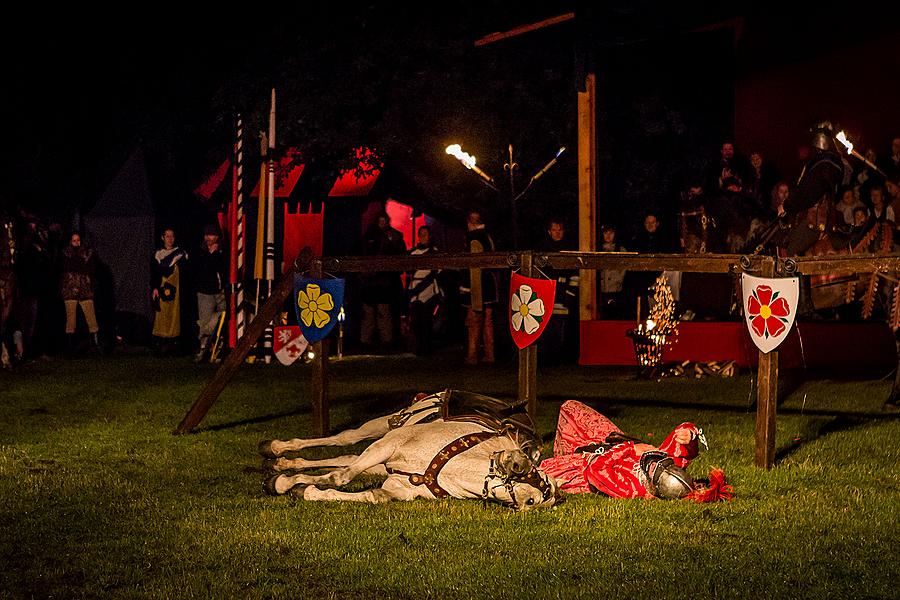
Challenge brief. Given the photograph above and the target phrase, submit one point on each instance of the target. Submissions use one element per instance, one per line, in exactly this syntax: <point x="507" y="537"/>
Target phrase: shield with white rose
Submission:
<point x="770" y="306"/>
<point x="530" y="305"/>
<point x="317" y="303"/>
<point x="289" y="344"/>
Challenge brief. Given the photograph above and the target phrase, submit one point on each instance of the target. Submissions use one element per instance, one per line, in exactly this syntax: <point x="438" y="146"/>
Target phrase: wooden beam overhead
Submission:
<point x="498" y="36"/>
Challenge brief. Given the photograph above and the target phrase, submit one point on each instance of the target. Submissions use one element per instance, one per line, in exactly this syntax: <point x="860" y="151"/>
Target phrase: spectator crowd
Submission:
<point x="734" y="205"/>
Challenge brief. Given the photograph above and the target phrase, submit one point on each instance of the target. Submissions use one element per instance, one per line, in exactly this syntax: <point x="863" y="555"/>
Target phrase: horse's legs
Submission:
<point x="299" y="464"/>
<point x="375" y="428"/>
<point x="376" y="454"/>
<point x="394" y="488"/>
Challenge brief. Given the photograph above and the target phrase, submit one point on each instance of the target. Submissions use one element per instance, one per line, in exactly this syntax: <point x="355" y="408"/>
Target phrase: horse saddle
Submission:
<point x="493" y="413"/>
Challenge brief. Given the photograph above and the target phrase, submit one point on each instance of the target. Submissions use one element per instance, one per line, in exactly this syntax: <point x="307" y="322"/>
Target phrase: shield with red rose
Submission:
<point x="289" y="343"/>
<point x="770" y="306"/>
<point x="530" y="305"/>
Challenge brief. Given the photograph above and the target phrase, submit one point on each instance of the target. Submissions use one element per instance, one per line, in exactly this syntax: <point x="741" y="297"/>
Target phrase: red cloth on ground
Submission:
<point x="613" y="472"/>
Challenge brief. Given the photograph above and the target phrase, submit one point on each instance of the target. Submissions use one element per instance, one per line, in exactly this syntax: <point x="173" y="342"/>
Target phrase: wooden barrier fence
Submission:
<point x="587" y="262"/>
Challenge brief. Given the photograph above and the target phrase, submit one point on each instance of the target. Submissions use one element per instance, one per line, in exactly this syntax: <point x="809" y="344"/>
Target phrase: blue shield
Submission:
<point x="318" y="304"/>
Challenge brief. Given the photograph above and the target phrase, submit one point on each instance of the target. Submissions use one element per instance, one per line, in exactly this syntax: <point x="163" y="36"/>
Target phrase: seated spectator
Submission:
<point x="859" y="227"/>
<point x="847" y="204"/>
<point x="881" y="211"/>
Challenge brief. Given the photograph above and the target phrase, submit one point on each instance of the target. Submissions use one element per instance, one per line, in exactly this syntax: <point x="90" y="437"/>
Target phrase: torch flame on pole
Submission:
<point x="842" y="138"/>
<point x="468" y="162"/>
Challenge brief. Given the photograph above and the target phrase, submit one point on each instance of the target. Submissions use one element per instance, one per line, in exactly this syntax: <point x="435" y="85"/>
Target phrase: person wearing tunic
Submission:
<point x="166" y="291"/>
<point x="591" y="454"/>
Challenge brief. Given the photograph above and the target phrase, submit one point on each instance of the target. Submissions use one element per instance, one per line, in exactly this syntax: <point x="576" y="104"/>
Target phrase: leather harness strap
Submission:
<point x="430" y="478"/>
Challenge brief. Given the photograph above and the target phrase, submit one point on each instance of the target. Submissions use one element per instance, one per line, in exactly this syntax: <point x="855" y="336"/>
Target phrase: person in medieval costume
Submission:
<point x="77" y="288"/>
<point x="166" y="283"/>
<point x="810" y="208"/>
<point x="591" y="454"/>
<point x="479" y="295"/>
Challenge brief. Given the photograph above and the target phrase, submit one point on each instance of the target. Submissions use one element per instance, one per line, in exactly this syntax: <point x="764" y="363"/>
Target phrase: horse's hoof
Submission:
<point x="268" y="465"/>
<point x="269" y="486"/>
<point x="265" y="449"/>
<point x="297" y="491"/>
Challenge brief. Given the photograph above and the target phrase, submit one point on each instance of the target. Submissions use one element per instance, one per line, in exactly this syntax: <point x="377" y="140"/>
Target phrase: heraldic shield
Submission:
<point x="530" y="305"/>
<point x="289" y="343"/>
<point x="770" y="306"/>
<point x="318" y="303"/>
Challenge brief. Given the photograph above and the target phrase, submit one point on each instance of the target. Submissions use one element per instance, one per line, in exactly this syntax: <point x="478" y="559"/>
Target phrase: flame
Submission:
<point x="842" y="138"/>
<point x="464" y="157"/>
<point x="650" y="324"/>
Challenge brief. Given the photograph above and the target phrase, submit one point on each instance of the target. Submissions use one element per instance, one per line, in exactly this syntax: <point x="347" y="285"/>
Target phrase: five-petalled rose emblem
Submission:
<point x="530" y="306"/>
<point x="769" y="308"/>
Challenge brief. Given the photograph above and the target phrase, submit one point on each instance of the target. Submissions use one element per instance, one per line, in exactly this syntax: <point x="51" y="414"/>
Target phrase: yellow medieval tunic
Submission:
<point x="167" y="323"/>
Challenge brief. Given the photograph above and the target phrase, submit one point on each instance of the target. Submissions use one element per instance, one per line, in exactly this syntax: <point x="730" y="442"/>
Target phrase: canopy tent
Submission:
<point x="120" y="229"/>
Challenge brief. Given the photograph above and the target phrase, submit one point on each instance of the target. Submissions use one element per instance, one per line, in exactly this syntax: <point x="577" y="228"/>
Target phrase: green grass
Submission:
<point x="99" y="499"/>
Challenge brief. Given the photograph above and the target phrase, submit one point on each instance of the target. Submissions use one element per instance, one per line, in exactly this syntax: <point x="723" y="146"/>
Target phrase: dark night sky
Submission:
<point x="81" y="91"/>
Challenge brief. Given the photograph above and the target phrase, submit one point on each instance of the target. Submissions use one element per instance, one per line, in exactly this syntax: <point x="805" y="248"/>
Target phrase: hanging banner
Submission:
<point x="317" y="302"/>
<point x="289" y="344"/>
<point x="530" y="305"/>
<point x="770" y="306"/>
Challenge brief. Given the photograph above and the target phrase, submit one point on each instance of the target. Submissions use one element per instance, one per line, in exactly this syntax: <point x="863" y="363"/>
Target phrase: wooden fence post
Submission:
<point x="767" y="396"/>
<point x="528" y="356"/>
<point x="320" y="416"/>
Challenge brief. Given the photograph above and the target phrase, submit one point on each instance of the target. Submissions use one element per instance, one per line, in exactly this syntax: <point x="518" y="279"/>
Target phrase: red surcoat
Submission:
<point x="614" y="471"/>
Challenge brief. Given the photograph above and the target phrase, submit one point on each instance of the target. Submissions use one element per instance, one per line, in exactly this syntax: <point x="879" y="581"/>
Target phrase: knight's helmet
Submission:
<point x="822" y="135"/>
<point x="662" y="478"/>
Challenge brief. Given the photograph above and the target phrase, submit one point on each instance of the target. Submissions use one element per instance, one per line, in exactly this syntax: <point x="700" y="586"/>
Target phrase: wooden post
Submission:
<point x="528" y="356"/>
<point x="210" y="392"/>
<point x="587" y="195"/>
<point x="319" y="401"/>
<point x="767" y="396"/>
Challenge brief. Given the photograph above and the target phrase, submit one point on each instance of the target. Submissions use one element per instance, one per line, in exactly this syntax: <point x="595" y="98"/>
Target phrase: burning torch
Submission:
<point x="468" y="162"/>
<point x="842" y="138"/>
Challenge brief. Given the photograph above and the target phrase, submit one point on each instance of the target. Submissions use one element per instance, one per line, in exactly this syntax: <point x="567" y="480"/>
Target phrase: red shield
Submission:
<point x="289" y="344"/>
<point x="530" y="306"/>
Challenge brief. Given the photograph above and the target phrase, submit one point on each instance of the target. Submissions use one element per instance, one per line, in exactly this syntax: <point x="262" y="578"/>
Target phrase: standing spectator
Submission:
<point x="555" y="344"/>
<point x="612" y="301"/>
<point x="763" y="178"/>
<point x="424" y="296"/>
<point x="210" y="270"/>
<point x="649" y="240"/>
<point x="166" y="282"/>
<point x="727" y="165"/>
<point x="77" y="289"/>
<point x="381" y="290"/>
<point x="36" y="284"/>
<point x="480" y="295"/>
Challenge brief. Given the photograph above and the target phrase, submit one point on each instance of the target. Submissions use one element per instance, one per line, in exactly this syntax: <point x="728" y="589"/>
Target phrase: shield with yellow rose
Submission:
<point x="317" y="302"/>
<point x="530" y="306"/>
<point x="770" y="306"/>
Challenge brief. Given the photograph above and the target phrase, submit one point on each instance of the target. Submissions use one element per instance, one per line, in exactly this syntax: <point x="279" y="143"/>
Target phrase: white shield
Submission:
<point x="289" y="344"/>
<point x="770" y="306"/>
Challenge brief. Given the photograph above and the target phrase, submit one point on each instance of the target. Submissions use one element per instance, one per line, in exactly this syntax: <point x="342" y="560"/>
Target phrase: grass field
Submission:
<point x="99" y="499"/>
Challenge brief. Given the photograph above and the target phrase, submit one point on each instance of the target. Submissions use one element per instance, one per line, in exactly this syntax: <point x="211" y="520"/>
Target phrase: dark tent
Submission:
<point x="120" y="229"/>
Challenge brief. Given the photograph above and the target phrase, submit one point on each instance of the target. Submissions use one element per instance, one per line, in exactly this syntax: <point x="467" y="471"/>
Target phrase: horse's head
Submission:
<point x="515" y="480"/>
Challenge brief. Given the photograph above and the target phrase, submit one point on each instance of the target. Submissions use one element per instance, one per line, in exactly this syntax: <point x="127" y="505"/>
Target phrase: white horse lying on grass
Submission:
<point x="425" y="453"/>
